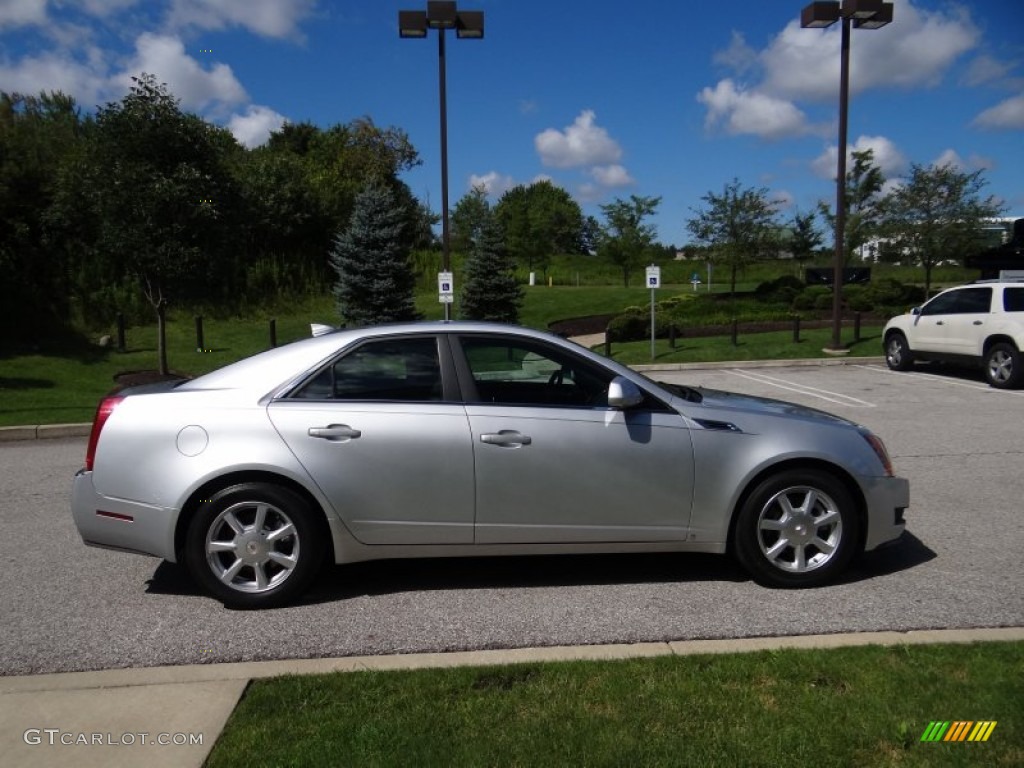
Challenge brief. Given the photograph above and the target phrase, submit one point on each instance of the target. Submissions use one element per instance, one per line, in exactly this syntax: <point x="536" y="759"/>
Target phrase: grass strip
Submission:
<point x="843" y="707"/>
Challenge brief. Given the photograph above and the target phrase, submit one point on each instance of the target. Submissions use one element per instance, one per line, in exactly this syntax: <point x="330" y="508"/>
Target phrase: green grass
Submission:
<point x="751" y="346"/>
<point x="863" y="706"/>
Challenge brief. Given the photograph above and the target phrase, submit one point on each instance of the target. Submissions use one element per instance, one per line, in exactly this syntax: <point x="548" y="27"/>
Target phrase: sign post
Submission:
<point x="653" y="282"/>
<point x="445" y="290"/>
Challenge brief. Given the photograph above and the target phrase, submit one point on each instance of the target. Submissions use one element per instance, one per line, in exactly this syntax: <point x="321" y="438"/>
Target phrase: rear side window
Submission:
<point x="396" y="370"/>
<point x="1013" y="300"/>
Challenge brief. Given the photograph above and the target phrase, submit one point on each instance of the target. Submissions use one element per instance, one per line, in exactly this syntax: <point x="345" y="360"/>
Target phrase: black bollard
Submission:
<point x="120" y="333"/>
<point x="200" y="347"/>
<point x="273" y="332"/>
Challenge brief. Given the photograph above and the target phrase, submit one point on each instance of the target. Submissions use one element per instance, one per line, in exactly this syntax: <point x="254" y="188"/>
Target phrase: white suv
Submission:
<point x="980" y="323"/>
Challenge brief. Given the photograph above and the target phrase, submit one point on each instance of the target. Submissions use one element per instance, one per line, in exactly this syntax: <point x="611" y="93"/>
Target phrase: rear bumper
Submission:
<point x="887" y="500"/>
<point x="128" y="526"/>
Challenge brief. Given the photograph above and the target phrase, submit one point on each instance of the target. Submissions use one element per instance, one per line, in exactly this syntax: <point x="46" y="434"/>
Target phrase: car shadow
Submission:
<point x="961" y="372"/>
<point x="386" y="577"/>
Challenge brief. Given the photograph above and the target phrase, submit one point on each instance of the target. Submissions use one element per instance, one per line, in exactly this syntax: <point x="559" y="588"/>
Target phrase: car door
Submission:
<point x="968" y="321"/>
<point x="930" y="330"/>
<point x="554" y="463"/>
<point x="378" y="433"/>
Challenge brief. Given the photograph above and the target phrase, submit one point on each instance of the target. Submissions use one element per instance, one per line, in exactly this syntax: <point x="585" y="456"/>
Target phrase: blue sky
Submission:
<point x="671" y="98"/>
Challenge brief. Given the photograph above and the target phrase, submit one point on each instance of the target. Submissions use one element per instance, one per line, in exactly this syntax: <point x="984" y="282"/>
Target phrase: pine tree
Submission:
<point x="490" y="291"/>
<point x="376" y="282"/>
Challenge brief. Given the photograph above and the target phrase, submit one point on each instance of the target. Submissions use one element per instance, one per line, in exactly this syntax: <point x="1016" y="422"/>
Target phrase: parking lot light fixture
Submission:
<point x="442" y="15"/>
<point x="863" y="14"/>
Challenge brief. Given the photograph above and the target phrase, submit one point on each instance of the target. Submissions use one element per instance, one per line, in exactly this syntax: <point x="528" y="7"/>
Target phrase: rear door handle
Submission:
<point x="336" y="432"/>
<point x="940" y="322"/>
<point x="979" y="322"/>
<point x="506" y="437"/>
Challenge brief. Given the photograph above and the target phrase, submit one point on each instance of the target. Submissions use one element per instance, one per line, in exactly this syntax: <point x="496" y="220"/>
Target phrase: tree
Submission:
<point x="490" y="291"/>
<point x="937" y="215"/>
<point x="863" y="198"/>
<point x="805" y="239"/>
<point x="468" y="218"/>
<point x="539" y="221"/>
<point x="375" y="281"/>
<point x="39" y="135"/>
<point x="626" y="239"/>
<point x="157" y="181"/>
<point x="739" y="225"/>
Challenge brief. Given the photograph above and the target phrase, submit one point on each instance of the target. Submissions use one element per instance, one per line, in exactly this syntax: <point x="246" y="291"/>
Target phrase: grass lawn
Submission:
<point x="63" y="382"/>
<point x="864" y="706"/>
<point x="752" y="346"/>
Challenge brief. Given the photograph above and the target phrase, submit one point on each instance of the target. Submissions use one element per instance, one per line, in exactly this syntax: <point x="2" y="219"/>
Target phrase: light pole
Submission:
<point x="442" y="15"/>
<point x="864" y="14"/>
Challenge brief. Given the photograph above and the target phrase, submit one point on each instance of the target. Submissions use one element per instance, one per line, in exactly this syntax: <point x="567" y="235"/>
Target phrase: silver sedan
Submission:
<point x="469" y="439"/>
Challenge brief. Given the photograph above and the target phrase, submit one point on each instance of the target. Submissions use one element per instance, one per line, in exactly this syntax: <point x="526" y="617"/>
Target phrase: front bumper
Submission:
<point x="887" y="500"/>
<point x="128" y="526"/>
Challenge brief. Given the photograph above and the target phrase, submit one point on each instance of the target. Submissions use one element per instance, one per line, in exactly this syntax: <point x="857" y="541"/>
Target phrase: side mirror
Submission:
<point x="623" y="393"/>
<point x="915" y="311"/>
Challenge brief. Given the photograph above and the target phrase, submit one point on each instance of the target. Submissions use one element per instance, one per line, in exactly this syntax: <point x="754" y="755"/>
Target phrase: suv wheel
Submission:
<point x="897" y="354"/>
<point x="1003" y="366"/>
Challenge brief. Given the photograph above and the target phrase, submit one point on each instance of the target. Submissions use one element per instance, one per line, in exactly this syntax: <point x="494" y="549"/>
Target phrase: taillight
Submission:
<point x="106" y="407"/>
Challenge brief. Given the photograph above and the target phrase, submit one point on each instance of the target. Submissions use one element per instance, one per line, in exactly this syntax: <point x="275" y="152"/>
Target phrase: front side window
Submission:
<point x="520" y="372"/>
<point x="964" y="301"/>
<point x="398" y="370"/>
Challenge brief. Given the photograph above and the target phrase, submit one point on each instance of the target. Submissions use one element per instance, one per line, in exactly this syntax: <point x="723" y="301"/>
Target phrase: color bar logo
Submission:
<point x="958" y="730"/>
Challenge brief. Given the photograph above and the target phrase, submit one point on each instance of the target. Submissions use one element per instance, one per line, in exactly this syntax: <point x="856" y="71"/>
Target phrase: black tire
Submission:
<point x="252" y="567"/>
<point x="1003" y="366"/>
<point x="897" y="353"/>
<point x="771" y="540"/>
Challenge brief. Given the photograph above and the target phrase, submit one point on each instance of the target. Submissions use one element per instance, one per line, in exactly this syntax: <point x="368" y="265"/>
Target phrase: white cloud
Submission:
<point x="582" y="143"/>
<point x="55" y="72"/>
<point x="493" y="183"/>
<point x="1008" y="114"/>
<point x="253" y="127"/>
<point x="986" y="69"/>
<point x="886" y="156"/>
<point x="19" y="13"/>
<point x="916" y="49"/>
<point x="612" y="176"/>
<point x="750" y="112"/>
<point x="164" y="56"/>
<point x="105" y="7"/>
<point x="270" y="18"/>
<point x="739" y="57"/>
<point x="952" y="158"/>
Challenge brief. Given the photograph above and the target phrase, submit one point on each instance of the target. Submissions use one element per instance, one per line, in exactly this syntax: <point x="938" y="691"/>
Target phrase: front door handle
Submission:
<point x="940" y="322"/>
<point x="979" y="322"/>
<point x="336" y="432"/>
<point x="506" y="437"/>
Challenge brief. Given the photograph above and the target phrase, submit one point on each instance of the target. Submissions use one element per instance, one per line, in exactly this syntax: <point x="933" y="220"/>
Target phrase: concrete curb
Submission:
<point x="43" y="432"/>
<point x="47" y="431"/>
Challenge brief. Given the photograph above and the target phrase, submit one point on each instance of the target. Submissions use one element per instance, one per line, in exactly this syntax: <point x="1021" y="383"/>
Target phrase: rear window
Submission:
<point x="1013" y="300"/>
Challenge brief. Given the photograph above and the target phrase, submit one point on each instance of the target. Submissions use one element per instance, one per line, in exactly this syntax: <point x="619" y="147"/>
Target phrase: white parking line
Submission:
<point x="792" y="386"/>
<point x="978" y="387"/>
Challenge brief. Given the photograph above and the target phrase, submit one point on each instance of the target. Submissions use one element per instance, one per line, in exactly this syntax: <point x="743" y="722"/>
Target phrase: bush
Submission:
<point x="857" y="299"/>
<point x="781" y="289"/>
<point x="808" y="298"/>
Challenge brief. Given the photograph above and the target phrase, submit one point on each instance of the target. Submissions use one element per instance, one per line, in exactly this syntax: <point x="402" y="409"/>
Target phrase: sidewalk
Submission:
<point x="122" y="708"/>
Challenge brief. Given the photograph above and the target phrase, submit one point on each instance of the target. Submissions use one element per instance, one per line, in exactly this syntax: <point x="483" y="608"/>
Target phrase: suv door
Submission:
<point x="953" y="322"/>
<point x="554" y="463"/>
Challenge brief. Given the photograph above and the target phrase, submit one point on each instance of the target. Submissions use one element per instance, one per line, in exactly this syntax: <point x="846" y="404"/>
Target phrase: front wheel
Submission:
<point x="254" y="545"/>
<point x="897" y="353"/>
<point x="796" y="529"/>
<point x="1002" y="366"/>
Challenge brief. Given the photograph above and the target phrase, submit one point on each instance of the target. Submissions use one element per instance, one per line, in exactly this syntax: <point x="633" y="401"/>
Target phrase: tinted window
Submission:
<point x="1013" y="299"/>
<point x="404" y="370"/>
<point x="516" y="372"/>
<point x="964" y="301"/>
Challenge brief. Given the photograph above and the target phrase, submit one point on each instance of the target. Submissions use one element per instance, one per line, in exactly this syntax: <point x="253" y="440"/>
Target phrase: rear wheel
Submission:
<point x="897" y="353"/>
<point x="1003" y="366"/>
<point x="254" y="545"/>
<point x="796" y="529"/>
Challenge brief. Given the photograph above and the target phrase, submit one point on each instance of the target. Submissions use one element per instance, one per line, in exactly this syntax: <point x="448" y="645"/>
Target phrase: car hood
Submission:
<point x="720" y="399"/>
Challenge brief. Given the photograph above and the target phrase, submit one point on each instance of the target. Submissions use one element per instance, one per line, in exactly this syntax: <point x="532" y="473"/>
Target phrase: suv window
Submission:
<point x="519" y="372"/>
<point x="963" y="301"/>
<point x="402" y="370"/>
<point x="1013" y="299"/>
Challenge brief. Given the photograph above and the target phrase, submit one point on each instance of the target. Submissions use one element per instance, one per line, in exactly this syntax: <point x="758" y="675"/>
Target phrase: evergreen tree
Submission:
<point x="375" y="278"/>
<point x="490" y="291"/>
